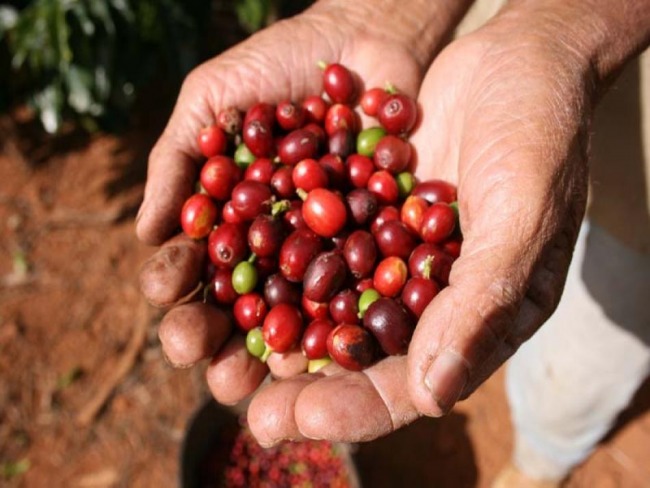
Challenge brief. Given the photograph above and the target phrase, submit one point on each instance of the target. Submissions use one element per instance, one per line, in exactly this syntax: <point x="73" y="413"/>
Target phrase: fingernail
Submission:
<point x="268" y="445"/>
<point x="446" y="379"/>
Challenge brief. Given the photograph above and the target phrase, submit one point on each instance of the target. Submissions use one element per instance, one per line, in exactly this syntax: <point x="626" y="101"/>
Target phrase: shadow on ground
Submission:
<point x="429" y="452"/>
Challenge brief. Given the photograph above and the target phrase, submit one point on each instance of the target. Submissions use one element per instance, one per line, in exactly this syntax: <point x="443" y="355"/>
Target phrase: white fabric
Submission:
<point x="567" y="384"/>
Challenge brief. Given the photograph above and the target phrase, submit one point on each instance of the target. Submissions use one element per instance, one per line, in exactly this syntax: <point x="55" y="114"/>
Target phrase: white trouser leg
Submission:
<point x="569" y="382"/>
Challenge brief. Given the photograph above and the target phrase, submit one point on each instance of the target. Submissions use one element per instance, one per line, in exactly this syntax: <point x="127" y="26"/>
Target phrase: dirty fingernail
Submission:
<point x="446" y="378"/>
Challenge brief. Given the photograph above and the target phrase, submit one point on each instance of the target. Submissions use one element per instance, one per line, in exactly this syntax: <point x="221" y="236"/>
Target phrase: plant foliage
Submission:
<point x="86" y="60"/>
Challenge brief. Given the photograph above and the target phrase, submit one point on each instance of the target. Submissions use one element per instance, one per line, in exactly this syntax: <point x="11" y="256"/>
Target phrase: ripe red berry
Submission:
<point x="393" y="154"/>
<point x="341" y="117"/>
<point x="290" y="116"/>
<point x="398" y="114"/>
<point x="390" y="276"/>
<point x="344" y="307"/>
<point x="418" y="293"/>
<point x="296" y="253"/>
<point x="227" y="245"/>
<point x="293" y="217"/>
<point x="230" y="120"/>
<point x="372" y="99"/>
<point x="198" y="216"/>
<point x="229" y="214"/>
<point x="360" y="253"/>
<point x="324" y="212"/>
<point x="335" y="169"/>
<point x="309" y="175"/>
<point x="384" y="214"/>
<point x="265" y="236"/>
<point x="264" y="112"/>
<point x="212" y="141"/>
<point x="434" y="191"/>
<point x="412" y="212"/>
<point x="258" y="138"/>
<point x="219" y="176"/>
<point x="359" y="169"/>
<point x="282" y="327"/>
<point x="314" y="339"/>
<point x="438" y="222"/>
<point x="430" y="261"/>
<point x="319" y="133"/>
<point x="261" y="170"/>
<point x="391" y="325"/>
<point x="395" y="239"/>
<point x="452" y="247"/>
<point x="314" y="310"/>
<point x="316" y="108"/>
<point x="384" y="186"/>
<point x="221" y="287"/>
<point x="282" y="182"/>
<point x="339" y="84"/>
<point x="297" y="145"/>
<point x="351" y="346"/>
<point x="249" y="311"/>
<point x="251" y="198"/>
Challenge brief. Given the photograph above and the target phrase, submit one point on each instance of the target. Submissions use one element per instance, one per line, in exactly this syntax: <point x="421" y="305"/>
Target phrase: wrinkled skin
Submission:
<point x="506" y="123"/>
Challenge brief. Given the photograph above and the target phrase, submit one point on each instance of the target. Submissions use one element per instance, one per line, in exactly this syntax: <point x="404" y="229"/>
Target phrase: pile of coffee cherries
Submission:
<point x="319" y="236"/>
<point x="297" y="464"/>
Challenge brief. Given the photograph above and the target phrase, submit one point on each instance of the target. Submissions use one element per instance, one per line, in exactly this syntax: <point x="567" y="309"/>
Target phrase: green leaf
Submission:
<point x="85" y="22"/>
<point x="99" y="10"/>
<point x="49" y="104"/>
<point x="124" y="9"/>
<point x="8" y="19"/>
<point x="20" y="263"/>
<point x="252" y="13"/>
<point x="62" y="33"/>
<point x="11" y="469"/>
<point x="69" y="377"/>
<point x="79" y="82"/>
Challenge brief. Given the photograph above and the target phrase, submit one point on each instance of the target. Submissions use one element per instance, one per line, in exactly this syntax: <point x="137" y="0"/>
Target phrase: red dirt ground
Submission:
<point x="72" y="319"/>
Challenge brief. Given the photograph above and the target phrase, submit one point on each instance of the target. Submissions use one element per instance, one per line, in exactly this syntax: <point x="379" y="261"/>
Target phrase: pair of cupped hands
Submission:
<point x="503" y="116"/>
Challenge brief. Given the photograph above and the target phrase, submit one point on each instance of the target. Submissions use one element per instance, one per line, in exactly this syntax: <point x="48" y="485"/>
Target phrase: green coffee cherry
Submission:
<point x="366" y="299"/>
<point x="367" y="140"/>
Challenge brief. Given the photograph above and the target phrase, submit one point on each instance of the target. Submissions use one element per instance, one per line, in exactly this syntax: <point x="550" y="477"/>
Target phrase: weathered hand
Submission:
<point x="506" y="115"/>
<point x="277" y="64"/>
<point x="507" y="122"/>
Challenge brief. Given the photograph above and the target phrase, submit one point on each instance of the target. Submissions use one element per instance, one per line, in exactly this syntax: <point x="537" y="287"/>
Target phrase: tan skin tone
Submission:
<point x="506" y="121"/>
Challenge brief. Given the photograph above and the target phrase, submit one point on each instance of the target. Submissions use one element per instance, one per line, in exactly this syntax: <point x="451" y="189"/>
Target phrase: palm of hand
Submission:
<point x="277" y="64"/>
<point x="511" y="134"/>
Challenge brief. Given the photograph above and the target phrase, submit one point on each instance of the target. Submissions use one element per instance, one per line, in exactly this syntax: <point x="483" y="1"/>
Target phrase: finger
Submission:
<point x="233" y="374"/>
<point x="271" y="412"/>
<point x="287" y="364"/>
<point x="344" y="406"/>
<point x="437" y="138"/>
<point x="541" y="299"/>
<point x="509" y="237"/>
<point x="192" y="332"/>
<point x="173" y="271"/>
<point x="356" y="406"/>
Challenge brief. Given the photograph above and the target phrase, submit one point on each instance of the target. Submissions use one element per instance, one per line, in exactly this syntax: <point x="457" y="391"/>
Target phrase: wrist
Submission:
<point x="421" y="26"/>
<point x="604" y="34"/>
